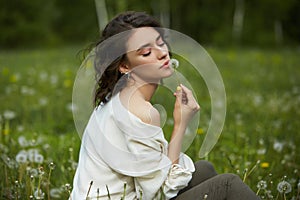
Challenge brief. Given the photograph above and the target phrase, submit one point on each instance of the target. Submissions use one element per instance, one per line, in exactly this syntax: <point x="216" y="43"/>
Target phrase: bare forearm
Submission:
<point x="175" y="144"/>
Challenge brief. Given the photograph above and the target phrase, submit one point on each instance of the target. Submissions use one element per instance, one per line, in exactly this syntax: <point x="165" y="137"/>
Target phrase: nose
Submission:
<point x="161" y="53"/>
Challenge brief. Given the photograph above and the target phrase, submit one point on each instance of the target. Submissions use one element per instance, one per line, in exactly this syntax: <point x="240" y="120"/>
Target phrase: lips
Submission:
<point x="166" y="64"/>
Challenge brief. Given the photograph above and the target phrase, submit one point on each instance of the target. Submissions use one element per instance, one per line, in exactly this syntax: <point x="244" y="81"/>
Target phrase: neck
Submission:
<point x="144" y="90"/>
<point x="147" y="90"/>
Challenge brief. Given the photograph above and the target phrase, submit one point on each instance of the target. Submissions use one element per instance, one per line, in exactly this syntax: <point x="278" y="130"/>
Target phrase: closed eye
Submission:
<point x="161" y="44"/>
<point x="146" y="54"/>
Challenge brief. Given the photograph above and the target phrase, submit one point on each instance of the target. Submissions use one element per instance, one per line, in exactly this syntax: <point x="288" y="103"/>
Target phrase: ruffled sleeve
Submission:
<point x="179" y="176"/>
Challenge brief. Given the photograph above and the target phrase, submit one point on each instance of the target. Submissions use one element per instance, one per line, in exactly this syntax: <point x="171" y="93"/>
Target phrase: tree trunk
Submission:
<point x="238" y="20"/>
<point x="101" y="14"/>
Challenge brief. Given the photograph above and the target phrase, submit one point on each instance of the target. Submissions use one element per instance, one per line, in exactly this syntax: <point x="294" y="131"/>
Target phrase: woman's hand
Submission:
<point x="185" y="107"/>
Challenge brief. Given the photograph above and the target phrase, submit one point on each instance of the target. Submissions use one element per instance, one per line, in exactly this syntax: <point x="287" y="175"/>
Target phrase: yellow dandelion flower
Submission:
<point x="13" y="78"/>
<point x="68" y="83"/>
<point x="200" y="131"/>
<point x="265" y="165"/>
<point x="6" y="131"/>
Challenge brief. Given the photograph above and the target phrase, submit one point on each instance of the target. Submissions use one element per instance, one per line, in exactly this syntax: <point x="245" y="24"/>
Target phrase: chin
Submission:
<point x="168" y="73"/>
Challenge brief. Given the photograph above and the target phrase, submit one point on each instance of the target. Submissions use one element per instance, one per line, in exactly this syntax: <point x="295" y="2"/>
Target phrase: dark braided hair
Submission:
<point x="107" y="68"/>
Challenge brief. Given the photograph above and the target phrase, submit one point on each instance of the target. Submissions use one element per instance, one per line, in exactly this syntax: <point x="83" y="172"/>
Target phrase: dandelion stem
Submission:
<point x="251" y="170"/>
<point x="245" y="174"/>
<point x="98" y="193"/>
<point x="176" y="77"/>
<point x="88" y="192"/>
<point x="108" y="192"/>
<point x="124" y="192"/>
<point x="258" y="191"/>
<point x="48" y="184"/>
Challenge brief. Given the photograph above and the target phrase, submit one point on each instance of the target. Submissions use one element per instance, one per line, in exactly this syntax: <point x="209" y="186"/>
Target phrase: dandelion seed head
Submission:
<point x="278" y="146"/>
<point x="261" y="141"/>
<point x="39" y="194"/>
<point x="43" y="101"/>
<point x="269" y="194"/>
<point x="257" y="100"/>
<point x="25" y="90"/>
<point x="53" y="79"/>
<point x="9" y="162"/>
<point x="258" y="161"/>
<point x="55" y="193"/>
<point x="33" y="142"/>
<point x="262" y="185"/>
<point x="9" y="114"/>
<point x="33" y="173"/>
<point x="51" y="165"/>
<point x="39" y="158"/>
<point x="41" y="170"/>
<point x="46" y="147"/>
<point x="43" y="76"/>
<point x="74" y="165"/>
<point x="284" y="187"/>
<point x="67" y="187"/>
<point x="261" y="151"/>
<point x="174" y="63"/>
<point x="20" y="128"/>
<point x="17" y="183"/>
<point x="21" y="157"/>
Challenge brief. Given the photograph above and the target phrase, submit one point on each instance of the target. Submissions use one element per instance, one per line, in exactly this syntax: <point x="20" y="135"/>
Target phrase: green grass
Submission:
<point x="259" y="141"/>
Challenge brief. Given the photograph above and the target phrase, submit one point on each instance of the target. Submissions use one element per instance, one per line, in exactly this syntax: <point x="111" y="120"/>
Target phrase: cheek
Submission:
<point x="141" y="61"/>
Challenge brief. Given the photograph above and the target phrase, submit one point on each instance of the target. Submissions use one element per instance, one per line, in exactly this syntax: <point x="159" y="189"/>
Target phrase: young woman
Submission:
<point x="124" y="153"/>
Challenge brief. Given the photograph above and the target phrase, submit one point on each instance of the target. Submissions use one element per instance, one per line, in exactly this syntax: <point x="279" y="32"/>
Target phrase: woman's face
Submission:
<point x="148" y="56"/>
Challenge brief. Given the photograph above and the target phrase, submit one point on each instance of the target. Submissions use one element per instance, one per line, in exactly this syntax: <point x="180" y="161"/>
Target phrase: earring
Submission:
<point x="127" y="74"/>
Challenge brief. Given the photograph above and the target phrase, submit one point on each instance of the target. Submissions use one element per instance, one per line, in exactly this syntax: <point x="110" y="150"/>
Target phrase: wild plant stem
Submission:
<point x="39" y="185"/>
<point x="108" y="193"/>
<point x="88" y="192"/>
<point x="176" y="77"/>
<point x="251" y="170"/>
<point x="48" y="185"/>
<point x="258" y="191"/>
<point x="124" y="192"/>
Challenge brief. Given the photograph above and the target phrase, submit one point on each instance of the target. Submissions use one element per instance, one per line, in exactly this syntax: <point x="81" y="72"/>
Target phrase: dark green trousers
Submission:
<point x="207" y="184"/>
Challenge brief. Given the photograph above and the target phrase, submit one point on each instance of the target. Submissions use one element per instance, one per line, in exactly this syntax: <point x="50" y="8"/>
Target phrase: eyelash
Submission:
<point x="147" y="54"/>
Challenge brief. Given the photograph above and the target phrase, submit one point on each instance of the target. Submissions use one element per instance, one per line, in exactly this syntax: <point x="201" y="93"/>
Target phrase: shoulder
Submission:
<point x="147" y="113"/>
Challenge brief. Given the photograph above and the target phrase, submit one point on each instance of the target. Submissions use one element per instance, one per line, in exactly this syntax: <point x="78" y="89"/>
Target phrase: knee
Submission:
<point x="205" y="166"/>
<point x="231" y="178"/>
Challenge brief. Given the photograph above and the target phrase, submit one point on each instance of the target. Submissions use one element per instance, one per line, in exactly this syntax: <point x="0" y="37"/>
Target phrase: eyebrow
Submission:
<point x="148" y="44"/>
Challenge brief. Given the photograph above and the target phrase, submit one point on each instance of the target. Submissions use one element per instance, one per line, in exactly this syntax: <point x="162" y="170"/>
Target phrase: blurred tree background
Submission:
<point x="211" y="22"/>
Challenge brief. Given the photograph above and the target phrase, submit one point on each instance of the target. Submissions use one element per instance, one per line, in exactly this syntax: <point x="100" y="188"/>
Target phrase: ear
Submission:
<point x="123" y="68"/>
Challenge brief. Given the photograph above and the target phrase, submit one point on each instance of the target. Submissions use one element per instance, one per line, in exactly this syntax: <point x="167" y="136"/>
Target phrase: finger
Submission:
<point x="185" y="89"/>
<point x="188" y="93"/>
<point x="178" y="95"/>
<point x="188" y="98"/>
<point x="184" y="98"/>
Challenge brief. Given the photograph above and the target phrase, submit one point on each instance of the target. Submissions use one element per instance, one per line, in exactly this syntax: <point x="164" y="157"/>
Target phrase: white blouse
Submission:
<point x="122" y="155"/>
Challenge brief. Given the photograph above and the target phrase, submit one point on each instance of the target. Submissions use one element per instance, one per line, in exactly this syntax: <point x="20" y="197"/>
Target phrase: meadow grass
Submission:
<point x="39" y="144"/>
